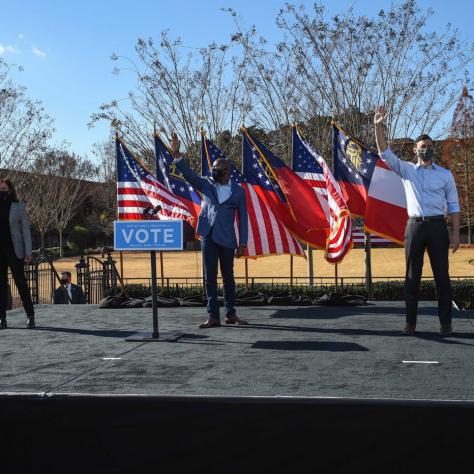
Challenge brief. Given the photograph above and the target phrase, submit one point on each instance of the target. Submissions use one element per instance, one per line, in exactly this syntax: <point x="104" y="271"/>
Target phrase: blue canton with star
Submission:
<point x="254" y="171"/>
<point x="128" y="169"/>
<point x="303" y="161"/>
<point x="214" y="154"/>
<point x="167" y="174"/>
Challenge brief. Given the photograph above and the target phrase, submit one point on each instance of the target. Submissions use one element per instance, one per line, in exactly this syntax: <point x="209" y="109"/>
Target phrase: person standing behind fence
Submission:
<point x="15" y="250"/>
<point x="430" y="192"/>
<point x="68" y="293"/>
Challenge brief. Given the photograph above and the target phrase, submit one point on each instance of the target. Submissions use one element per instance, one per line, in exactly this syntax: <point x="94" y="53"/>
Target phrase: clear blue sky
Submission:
<point x="65" y="46"/>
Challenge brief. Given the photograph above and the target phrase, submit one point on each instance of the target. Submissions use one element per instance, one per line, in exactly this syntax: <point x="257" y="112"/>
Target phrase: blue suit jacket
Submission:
<point x="218" y="217"/>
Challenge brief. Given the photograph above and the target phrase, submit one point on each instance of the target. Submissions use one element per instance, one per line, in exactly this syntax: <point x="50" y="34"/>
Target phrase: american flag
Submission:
<point x="358" y="236"/>
<point x="168" y="175"/>
<point x="314" y="169"/>
<point x="267" y="235"/>
<point x="138" y="190"/>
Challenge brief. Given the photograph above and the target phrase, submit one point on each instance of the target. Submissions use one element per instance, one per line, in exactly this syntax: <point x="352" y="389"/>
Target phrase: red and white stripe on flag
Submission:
<point x="340" y="222"/>
<point x="138" y="189"/>
<point x="266" y="234"/>
<point x="386" y="208"/>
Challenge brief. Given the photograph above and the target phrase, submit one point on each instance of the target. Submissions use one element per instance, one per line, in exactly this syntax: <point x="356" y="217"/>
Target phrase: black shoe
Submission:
<point x="446" y="330"/>
<point x="3" y="323"/>
<point x="30" y="322"/>
<point x="409" y="330"/>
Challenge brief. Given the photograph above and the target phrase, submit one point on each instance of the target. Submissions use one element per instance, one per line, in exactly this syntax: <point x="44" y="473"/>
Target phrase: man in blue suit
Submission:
<point x="222" y="200"/>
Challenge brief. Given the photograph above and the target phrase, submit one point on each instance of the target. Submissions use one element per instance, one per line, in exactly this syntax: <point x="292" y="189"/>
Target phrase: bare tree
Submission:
<point x="24" y="126"/>
<point x="179" y="89"/>
<point x="71" y="174"/>
<point x="105" y="196"/>
<point x="351" y="63"/>
<point x="56" y="191"/>
<point x="39" y="193"/>
<point x="323" y="68"/>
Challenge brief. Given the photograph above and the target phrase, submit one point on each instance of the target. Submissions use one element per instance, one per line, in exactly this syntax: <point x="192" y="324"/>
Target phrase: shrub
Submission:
<point x="463" y="291"/>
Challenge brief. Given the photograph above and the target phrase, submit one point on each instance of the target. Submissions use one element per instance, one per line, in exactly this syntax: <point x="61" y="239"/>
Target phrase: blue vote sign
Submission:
<point x="148" y="235"/>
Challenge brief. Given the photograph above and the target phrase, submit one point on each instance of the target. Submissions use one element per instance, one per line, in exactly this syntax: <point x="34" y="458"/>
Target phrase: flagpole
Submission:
<point x="291" y="272"/>
<point x="162" y="273"/>
<point x="335" y="275"/>
<point x="246" y="275"/>
<point x="368" y="266"/>
<point x="309" y="251"/>
<point x="115" y="124"/>
<point x="203" y="137"/>
<point x="246" y="266"/>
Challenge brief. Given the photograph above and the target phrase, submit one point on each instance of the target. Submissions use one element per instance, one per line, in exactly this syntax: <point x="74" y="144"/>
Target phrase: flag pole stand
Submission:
<point x="291" y="272"/>
<point x="155" y="336"/>
<point x="368" y="267"/>
<point x="310" y="266"/>
<point x="246" y="275"/>
<point x="162" y="273"/>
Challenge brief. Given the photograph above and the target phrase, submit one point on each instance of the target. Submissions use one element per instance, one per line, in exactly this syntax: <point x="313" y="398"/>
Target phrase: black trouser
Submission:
<point x="433" y="236"/>
<point x="9" y="259"/>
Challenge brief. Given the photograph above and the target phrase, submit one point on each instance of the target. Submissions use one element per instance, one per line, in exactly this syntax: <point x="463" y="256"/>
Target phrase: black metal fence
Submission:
<point x="100" y="278"/>
<point x="97" y="277"/>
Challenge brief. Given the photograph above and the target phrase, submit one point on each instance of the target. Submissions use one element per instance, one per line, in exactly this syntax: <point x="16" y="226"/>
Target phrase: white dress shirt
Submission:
<point x="430" y="191"/>
<point x="69" y="292"/>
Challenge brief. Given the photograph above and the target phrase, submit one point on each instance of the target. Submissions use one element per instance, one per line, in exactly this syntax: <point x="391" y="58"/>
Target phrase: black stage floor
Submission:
<point x="302" y="389"/>
<point x="286" y="351"/>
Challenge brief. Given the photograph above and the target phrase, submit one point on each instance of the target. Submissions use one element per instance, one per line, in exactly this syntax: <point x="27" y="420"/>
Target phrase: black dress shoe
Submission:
<point x="3" y="323"/>
<point x="30" y="322"/>
<point x="409" y="330"/>
<point x="446" y="330"/>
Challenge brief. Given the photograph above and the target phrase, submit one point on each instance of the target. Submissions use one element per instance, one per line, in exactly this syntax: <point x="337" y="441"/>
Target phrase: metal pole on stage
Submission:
<point x="291" y="272"/>
<point x="246" y="275"/>
<point x="154" y="294"/>
<point x="121" y="264"/>
<point x="169" y="336"/>
<point x="162" y="273"/>
<point x="335" y="276"/>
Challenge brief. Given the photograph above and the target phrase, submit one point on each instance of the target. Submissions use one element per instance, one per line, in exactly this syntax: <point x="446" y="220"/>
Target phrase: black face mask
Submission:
<point x="4" y="195"/>
<point x="426" y="154"/>
<point x="216" y="174"/>
<point x="63" y="281"/>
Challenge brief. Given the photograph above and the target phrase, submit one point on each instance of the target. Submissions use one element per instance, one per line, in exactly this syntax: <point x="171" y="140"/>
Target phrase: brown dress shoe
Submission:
<point x="409" y="330"/>
<point x="210" y="323"/>
<point x="446" y="330"/>
<point x="235" y="320"/>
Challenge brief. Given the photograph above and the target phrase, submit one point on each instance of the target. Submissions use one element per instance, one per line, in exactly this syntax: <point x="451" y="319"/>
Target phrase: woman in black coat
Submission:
<point x="15" y="250"/>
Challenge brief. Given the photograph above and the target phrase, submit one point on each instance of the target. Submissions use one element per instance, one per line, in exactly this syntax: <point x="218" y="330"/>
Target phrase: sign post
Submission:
<point x="150" y="235"/>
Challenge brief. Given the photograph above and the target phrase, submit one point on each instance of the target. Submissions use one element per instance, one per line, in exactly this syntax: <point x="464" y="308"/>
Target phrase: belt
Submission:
<point x="426" y="218"/>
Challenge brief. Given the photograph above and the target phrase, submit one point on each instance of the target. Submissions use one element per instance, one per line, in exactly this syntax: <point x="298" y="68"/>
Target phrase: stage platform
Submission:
<point x="285" y="351"/>
<point x="301" y="389"/>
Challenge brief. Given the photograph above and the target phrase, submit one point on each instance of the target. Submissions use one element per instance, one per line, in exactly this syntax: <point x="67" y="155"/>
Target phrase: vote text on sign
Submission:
<point x="148" y="235"/>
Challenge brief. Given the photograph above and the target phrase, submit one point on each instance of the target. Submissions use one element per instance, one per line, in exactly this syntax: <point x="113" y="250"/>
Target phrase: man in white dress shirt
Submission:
<point x="430" y="191"/>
